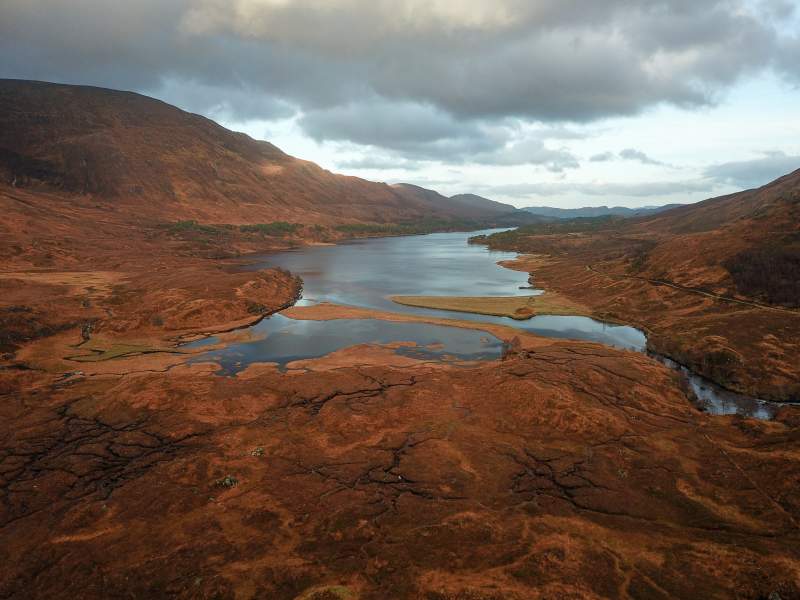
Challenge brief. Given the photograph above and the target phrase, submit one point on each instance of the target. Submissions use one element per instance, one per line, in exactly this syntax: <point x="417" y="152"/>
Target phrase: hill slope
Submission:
<point x="117" y="213"/>
<point x="484" y="203"/>
<point x="746" y="243"/>
<point x="716" y="284"/>
<point x="467" y="206"/>
<point x="597" y="211"/>
<point x="171" y="164"/>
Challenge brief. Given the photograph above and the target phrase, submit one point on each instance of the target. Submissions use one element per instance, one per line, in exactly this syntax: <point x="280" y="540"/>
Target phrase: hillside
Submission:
<point x="143" y="154"/>
<point x="467" y="206"/>
<point x="747" y="244"/>
<point x="715" y="284"/>
<point x="597" y="211"/>
<point x="133" y="467"/>
<point x="484" y="203"/>
<point x="145" y="201"/>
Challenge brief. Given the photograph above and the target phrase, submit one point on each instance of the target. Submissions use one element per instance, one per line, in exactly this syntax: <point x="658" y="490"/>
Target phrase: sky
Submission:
<point x="561" y="103"/>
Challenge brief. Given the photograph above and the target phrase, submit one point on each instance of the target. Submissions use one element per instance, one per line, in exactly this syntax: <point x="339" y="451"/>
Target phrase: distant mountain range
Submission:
<point x="597" y="211"/>
<point x="468" y="206"/>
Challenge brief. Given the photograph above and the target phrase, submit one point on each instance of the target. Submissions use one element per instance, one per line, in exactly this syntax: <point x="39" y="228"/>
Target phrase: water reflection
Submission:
<point x="367" y="272"/>
<point x="283" y="340"/>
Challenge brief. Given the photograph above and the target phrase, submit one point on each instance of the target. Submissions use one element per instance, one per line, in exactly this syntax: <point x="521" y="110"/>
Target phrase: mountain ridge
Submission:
<point x="140" y="152"/>
<point x="597" y="211"/>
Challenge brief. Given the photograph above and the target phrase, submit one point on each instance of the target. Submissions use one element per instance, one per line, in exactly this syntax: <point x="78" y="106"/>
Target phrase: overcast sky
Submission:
<point x="535" y="102"/>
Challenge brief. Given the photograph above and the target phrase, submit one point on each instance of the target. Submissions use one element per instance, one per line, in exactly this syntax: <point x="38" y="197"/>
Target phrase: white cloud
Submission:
<point x="755" y="172"/>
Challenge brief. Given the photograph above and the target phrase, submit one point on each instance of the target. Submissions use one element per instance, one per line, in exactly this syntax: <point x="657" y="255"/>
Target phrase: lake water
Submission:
<point x="281" y="340"/>
<point x="365" y="273"/>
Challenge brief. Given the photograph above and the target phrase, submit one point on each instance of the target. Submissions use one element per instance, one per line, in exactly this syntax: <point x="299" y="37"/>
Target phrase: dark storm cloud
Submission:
<point x="756" y="172"/>
<point x="401" y="126"/>
<point x="458" y="68"/>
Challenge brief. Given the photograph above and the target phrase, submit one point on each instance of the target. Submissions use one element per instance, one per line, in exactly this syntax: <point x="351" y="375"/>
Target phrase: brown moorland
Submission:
<point x="567" y="470"/>
<point x="713" y="284"/>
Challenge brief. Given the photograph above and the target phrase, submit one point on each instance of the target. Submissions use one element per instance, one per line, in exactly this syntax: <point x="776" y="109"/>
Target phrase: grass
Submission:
<point x="514" y="307"/>
<point x="192" y="227"/>
<point x="410" y="228"/>
<point x="192" y="230"/>
<point x="511" y="239"/>
<point x="276" y="228"/>
<point x="100" y="353"/>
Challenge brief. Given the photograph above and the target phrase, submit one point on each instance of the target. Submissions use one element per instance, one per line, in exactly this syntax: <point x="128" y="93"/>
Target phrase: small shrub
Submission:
<point x="770" y="272"/>
<point x="228" y="482"/>
<point x="254" y="308"/>
<point x="191" y="226"/>
<point x="277" y="228"/>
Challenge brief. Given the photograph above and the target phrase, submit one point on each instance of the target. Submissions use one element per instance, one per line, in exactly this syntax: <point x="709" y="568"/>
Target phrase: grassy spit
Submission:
<point x="515" y="307"/>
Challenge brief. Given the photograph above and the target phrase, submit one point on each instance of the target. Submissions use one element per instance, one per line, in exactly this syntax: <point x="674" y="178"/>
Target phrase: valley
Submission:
<point x="229" y="373"/>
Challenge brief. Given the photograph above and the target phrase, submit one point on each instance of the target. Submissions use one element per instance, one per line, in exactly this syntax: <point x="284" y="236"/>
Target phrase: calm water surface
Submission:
<point x="282" y="340"/>
<point x="367" y="272"/>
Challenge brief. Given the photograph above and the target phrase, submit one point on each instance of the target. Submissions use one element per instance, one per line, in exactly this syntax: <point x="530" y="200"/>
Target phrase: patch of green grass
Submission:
<point x="192" y="226"/>
<point x="409" y="228"/>
<point x="276" y="228"/>
<point x="511" y="239"/>
<point x="563" y="226"/>
<point x="516" y="307"/>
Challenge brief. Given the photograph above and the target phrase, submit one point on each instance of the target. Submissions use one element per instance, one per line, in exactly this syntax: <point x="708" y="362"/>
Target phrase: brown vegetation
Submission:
<point x="770" y="272"/>
<point x="572" y="471"/>
<point x="515" y="307"/>
<point x="708" y="282"/>
<point x="567" y="470"/>
<point x="131" y="152"/>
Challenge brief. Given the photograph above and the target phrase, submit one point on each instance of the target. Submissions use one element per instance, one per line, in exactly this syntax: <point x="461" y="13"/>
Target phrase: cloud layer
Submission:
<point x="414" y="76"/>
<point x="756" y="172"/>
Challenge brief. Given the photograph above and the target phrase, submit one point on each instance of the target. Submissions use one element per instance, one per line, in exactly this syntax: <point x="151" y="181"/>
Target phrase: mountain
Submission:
<point x="716" y="284"/>
<point x="468" y="206"/>
<point x="748" y="242"/>
<point x="597" y="211"/>
<point x="485" y="203"/>
<point x="140" y="154"/>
